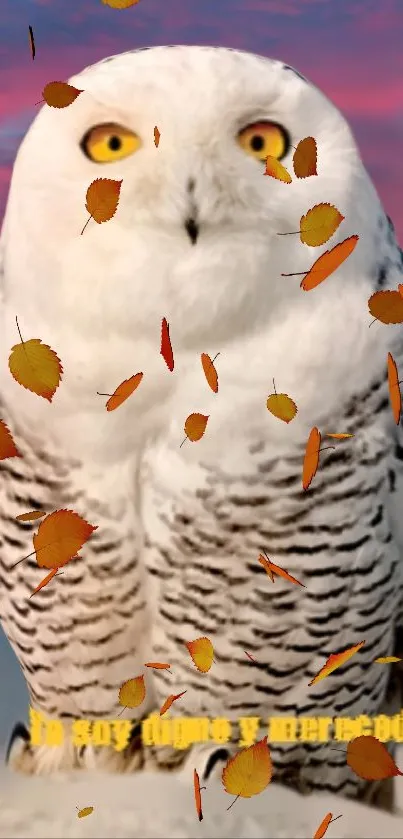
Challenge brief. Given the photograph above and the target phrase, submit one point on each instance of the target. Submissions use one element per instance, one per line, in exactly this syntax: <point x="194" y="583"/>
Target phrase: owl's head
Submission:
<point x="195" y="236"/>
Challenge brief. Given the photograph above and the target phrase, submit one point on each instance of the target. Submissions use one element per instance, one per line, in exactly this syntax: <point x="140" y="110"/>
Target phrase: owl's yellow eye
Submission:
<point x="260" y="139"/>
<point x="109" y="142"/>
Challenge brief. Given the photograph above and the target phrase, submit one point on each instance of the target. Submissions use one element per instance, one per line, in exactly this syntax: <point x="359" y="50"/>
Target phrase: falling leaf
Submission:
<point x="122" y="392"/>
<point x="334" y="661"/>
<point x="60" y="94"/>
<point x="166" y="346"/>
<point x="249" y="772"/>
<point x="276" y="170"/>
<point x="324" y="825"/>
<point x="86" y="811"/>
<point x="281" y="406"/>
<point x="326" y="264"/>
<point x="311" y="459"/>
<point x="340" y="436"/>
<point x="201" y="652"/>
<point x="120" y="4"/>
<point x="209" y="371"/>
<point x="33" y="516"/>
<point x="36" y="367"/>
<point x="394" y="389"/>
<point x="386" y="306"/>
<point x="195" y="427"/>
<point x="271" y="569"/>
<point x="319" y="224"/>
<point x="250" y="656"/>
<point x="389" y="659"/>
<point x="45" y="581"/>
<point x="7" y="445"/>
<point x="158" y="665"/>
<point x="31" y="41"/>
<point x="400" y="289"/>
<point x="197" y="788"/>
<point x="370" y="759"/>
<point x="60" y="536"/>
<point x="102" y="200"/>
<point x="168" y="702"/>
<point x="132" y="693"/>
<point x="305" y="158"/>
<point x="157" y="136"/>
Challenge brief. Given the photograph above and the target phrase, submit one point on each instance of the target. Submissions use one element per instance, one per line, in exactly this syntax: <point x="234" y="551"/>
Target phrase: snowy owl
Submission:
<point x="195" y="240"/>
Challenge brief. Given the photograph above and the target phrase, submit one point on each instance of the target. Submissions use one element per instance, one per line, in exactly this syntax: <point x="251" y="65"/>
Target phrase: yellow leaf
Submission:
<point x="319" y="224"/>
<point x="249" y="772"/>
<point x="334" y="661"/>
<point x="120" y="4"/>
<point x="86" y="811"/>
<point x="341" y="436"/>
<point x="276" y="170"/>
<point x="281" y="406"/>
<point x="388" y="659"/>
<point x="36" y="367"/>
<point x="201" y="651"/>
<point x="60" y="536"/>
<point x="132" y="693"/>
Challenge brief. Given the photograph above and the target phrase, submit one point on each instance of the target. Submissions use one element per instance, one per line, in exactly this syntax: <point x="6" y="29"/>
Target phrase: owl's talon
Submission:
<point x="19" y="732"/>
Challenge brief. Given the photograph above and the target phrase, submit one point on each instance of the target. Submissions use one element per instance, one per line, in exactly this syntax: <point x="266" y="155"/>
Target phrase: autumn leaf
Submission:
<point x="7" y="445"/>
<point x="209" y="371"/>
<point x="45" y="581"/>
<point x="166" y="346"/>
<point x="132" y="693"/>
<point x="33" y="516"/>
<point x="311" y="458"/>
<point x="319" y="224"/>
<point x="249" y="772"/>
<point x="394" y="389"/>
<point x="386" y="306"/>
<point x="195" y="427"/>
<point x="326" y="264"/>
<point x="31" y="41"/>
<point x="102" y="200"/>
<point x="120" y="4"/>
<point x="197" y="789"/>
<point x="334" y="661"/>
<point x="168" y="702"/>
<point x="305" y="158"/>
<point x="400" y="289"/>
<point x="276" y="170"/>
<point x="201" y="652"/>
<point x="389" y="659"/>
<point x="272" y="569"/>
<point x="122" y="392"/>
<point x="251" y="657"/>
<point x="281" y="406"/>
<point x="324" y="825"/>
<point x="340" y="436"/>
<point x="86" y="811"/>
<point x="60" y="536"/>
<point x="158" y="665"/>
<point x="370" y="759"/>
<point x="60" y="94"/>
<point x="36" y="367"/>
<point x="157" y="136"/>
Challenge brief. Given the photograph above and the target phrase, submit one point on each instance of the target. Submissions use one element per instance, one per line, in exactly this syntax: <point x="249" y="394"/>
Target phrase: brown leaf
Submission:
<point x="158" y="665"/>
<point x="276" y="170"/>
<point x="60" y="536"/>
<point x="311" y="459"/>
<point x="168" y="702"/>
<point x="60" y="94"/>
<point x="7" y="445"/>
<point x="36" y="514"/>
<point x="251" y="657"/>
<point x="195" y="426"/>
<point x="272" y="569"/>
<point x="157" y="136"/>
<point x="31" y="41"/>
<point x="370" y="759"/>
<point x="209" y="371"/>
<point x="326" y="264"/>
<point x="122" y="392"/>
<point x="102" y="200"/>
<point x="305" y="158"/>
<point x="394" y="389"/>
<point x="400" y="289"/>
<point x="334" y="661"/>
<point x="386" y="306"/>
<point x="166" y="346"/>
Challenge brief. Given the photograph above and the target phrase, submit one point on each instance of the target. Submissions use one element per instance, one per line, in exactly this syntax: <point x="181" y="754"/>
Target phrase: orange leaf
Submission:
<point x="201" y="651"/>
<point x="319" y="224"/>
<point x="36" y="514"/>
<point x="120" y="4"/>
<point x="36" y="367"/>
<point x="7" y="445"/>
<point x="157" y="665"/>
<point x="86" y="811"/>
<point x="31" y="41"/>
<point x="394" y="389"/>
<point x="166" y="346"/>
<point x="195" y="426"/>
<point x="326" y="264"/>
<point x="60" y="536"/>
<point x="276" y="170"/>
<point x="389" y="659"/>
<point x="311" y="459"/>
<point x="60" y="94"/>
<point x="386" y="306"/>
<point x="132" y="693"/>
<point x="209" y="371"/>
<point x="157" y="136"/>
<point x="400" y="289"/>
<point x="270" y="567"/>
<point x="282" y="406"/>
<point x="334" y="661"/>
<point x="249" y="772"/>
<point x="102" y="200"/>
<point x="122" y="392"/>
<point x="340" y="436"/>
<point x="45" y="581"/>
<point x="168" y="702"/>
<point x="324" y="825"/>
<point x="197" y="788"/>
<point x="370" y="759"/>
<point x="305" y="158"/>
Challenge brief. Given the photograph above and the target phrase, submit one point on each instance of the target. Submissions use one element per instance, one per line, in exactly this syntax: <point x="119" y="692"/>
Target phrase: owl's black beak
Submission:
<point x="192" y="229"/>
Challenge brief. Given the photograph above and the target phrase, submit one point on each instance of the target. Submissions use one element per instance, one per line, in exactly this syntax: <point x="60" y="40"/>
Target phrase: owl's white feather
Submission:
<point x="98" y="300"/>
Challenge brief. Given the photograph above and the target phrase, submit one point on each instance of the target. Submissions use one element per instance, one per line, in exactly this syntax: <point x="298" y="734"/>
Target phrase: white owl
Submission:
<point x="195" y="239"/>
